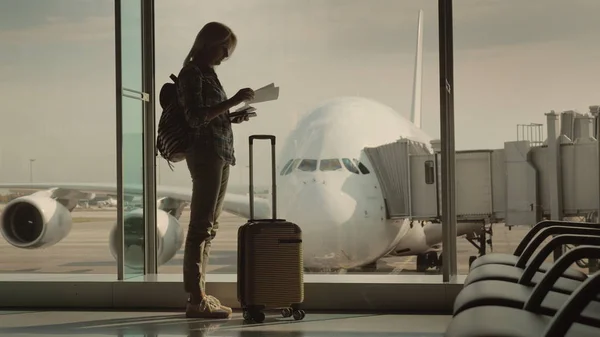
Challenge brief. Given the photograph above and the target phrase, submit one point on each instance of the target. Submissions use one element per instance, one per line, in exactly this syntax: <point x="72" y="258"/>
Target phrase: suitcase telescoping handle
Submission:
<point x="273" y="174"/>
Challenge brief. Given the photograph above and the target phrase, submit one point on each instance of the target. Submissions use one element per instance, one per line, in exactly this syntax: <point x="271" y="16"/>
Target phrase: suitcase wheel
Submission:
<point x="299" y="315"/>
<point x="254" y="315"/>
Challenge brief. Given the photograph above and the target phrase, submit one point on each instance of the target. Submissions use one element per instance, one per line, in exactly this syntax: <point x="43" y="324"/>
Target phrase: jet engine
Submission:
<point x="169" y="238"/>
<point x="35" y="221"/>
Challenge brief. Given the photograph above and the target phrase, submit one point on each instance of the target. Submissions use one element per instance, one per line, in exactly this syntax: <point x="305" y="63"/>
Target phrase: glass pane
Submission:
<point x="133" y="176"/>
<point x="308" y="165"/>
<point x="132" y="150"/>
<point x="131" y="45"/>
<point x="350" y="166"/>
<point x="57" y="88"/>
<point x="330" y="165"/>
<point x="366" y="80"/>
<point x="513" y="66"/>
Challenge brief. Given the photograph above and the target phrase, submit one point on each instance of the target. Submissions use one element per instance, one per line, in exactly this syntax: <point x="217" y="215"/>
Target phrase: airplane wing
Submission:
<point x="234" y="203"/>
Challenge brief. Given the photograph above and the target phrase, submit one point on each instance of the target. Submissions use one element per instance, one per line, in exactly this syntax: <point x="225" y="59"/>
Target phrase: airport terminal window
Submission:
<point x="349" y="166"/>
<point x="86" y="248"/>
<point x="363" y="169"/>
<point x="330" y="165"/>
<point x="347" y="247"/>
<point x="507" y="232"/>
<point x="308" y="165"/>
<point x="285" y="168"/>
<point x="347" y="242"/>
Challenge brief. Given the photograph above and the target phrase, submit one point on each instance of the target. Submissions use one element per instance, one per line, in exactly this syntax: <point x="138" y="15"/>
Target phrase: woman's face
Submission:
<point x="217" y="54"/>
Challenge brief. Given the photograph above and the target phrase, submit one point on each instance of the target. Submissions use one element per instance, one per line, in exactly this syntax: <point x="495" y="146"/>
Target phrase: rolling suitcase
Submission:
<point x="270" y="267"/>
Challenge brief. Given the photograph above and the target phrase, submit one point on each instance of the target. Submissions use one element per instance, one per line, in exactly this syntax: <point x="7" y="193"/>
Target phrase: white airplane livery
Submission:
<point x="326" y="185"/>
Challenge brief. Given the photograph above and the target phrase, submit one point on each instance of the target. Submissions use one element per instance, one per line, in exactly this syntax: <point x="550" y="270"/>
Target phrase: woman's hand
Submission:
<point x="243" y="95"/>
<point x="240" y="119"/>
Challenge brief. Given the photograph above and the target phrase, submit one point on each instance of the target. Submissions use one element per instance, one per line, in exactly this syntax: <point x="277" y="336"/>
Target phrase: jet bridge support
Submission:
<point x="519" y="185"/>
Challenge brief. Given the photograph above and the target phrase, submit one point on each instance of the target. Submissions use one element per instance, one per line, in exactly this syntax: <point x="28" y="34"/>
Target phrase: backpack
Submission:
<point x="173" y="130"/>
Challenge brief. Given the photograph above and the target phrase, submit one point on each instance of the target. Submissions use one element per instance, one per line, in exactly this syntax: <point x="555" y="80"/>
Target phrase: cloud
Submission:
<point x="61" y="30"/>
<point x="313" y="49"/>
<point x="486" y="23"/>
<point x="25" y="14"/>
<point x="338" y="27"/>
<point x="333" y="26"/>
<point x="389" y="26"/>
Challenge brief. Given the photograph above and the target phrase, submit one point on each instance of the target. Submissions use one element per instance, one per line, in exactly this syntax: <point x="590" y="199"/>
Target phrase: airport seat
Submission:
<point x="503" y="272"/>
<point x="538" y="229"/>
<point x="510" y="274"/>
<point x="514" y="295"/>
<point x="501" y="321"/>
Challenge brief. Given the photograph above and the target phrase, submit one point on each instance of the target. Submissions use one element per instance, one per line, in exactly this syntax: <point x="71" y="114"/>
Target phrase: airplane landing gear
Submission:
<point x="371" y="267"/>
<point x="428" y="260"/>
<point x="482" y="241"/>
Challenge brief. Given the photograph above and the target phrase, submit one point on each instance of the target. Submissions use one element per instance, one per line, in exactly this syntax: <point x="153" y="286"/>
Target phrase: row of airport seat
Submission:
<point x="521" y="295"/>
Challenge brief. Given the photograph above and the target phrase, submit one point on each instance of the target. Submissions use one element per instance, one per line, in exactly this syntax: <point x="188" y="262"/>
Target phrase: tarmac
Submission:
<point x="86" y="251"/>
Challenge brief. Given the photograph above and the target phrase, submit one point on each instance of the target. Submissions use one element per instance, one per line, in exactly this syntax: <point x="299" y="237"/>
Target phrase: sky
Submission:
<point x="514" y="61"/>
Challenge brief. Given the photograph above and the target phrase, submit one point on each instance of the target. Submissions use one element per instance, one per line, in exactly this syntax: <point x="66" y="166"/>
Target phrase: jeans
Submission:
<point x="210" y="175"/>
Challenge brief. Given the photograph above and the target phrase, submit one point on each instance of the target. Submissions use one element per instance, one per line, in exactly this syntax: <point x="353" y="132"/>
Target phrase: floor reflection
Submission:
<point x="148" y="324"/>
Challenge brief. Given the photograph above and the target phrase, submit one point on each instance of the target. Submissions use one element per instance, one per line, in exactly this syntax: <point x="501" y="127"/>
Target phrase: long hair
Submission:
<point x="213" y="33"/>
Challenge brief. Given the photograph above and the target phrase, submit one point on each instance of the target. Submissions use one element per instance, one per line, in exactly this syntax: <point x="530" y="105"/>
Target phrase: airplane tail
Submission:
<point x="415" y="115"/>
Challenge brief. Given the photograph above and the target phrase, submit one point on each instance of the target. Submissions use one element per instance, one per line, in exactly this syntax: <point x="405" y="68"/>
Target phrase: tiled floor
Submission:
<point x="172" y="324"/>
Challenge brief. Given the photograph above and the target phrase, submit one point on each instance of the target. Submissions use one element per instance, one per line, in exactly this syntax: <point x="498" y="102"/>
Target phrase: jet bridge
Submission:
<point x="521" y="184"/>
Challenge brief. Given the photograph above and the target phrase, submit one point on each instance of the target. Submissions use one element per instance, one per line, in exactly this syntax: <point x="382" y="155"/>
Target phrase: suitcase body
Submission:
<point x="270" y="266"/>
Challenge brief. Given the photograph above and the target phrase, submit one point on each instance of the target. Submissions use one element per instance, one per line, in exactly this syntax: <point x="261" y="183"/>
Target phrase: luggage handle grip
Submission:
<point x="263" y="137"/>
<point x="273" y="174"/>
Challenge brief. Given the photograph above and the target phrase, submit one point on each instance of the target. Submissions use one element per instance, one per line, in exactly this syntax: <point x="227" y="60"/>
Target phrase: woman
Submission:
<point x="211" y="153"/>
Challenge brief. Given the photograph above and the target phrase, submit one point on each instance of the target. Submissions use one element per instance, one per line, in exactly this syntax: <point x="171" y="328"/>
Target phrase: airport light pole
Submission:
<point x="31" y="170"/>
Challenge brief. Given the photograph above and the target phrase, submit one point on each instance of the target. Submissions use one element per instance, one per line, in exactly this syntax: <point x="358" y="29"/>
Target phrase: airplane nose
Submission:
<point x="325" y="216"/>
<point x="319" y="206"/>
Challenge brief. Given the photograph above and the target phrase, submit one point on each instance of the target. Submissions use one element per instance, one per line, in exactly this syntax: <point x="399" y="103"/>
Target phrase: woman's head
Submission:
<point x="214" y="43"/>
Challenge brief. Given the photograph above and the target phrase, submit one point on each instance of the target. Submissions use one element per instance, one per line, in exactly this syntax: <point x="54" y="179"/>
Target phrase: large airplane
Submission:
<point x="326" y="185"/>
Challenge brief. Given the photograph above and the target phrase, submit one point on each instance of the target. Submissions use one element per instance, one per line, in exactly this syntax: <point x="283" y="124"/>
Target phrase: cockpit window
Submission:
<point x="287" y="165"/>
<point x="349" y="166"/>
<point x="363" y="169"/>
<point x="330" y="165"/>
<point x="290" y="168"/>
<point x="308" y="165"/>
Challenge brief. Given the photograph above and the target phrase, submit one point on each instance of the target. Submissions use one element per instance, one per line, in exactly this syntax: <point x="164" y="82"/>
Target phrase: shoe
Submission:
<point x="218" y="303"/>
<point x="206" y="309"/>
<point x="203" y="328"/>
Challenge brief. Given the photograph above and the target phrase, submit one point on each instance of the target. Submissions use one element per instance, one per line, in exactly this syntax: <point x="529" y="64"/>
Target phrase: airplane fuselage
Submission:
<point x="327" y="184"/>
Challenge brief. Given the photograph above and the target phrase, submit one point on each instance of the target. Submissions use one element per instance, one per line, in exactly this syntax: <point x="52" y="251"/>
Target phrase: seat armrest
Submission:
<point x="571" y="310"/>
<point x="550" y="231"/>
<point x="565" y="239"/>
<point x="545" y="224"/>
<point x="540" y="291"/>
